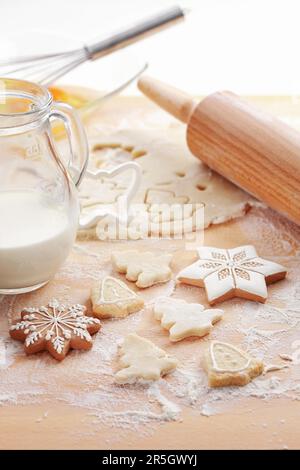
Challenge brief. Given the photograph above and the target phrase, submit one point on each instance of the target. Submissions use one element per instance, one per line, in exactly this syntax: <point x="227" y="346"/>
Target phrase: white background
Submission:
<point x="248" y="46"/>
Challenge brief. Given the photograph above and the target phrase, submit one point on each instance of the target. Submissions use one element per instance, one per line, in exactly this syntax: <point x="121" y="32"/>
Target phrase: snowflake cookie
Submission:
<point x="55" y="328"/>
<point x="237" y="272"/>
<point x="183" y="319"/>
<point x="227" y="365"/>
<point x="141" y="360"/>
<point x="144" y="268"/>
<point x="112" y="298"/>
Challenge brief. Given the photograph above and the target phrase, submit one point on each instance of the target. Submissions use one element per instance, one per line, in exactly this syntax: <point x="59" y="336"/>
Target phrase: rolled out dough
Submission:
<point x="171" y="174"/>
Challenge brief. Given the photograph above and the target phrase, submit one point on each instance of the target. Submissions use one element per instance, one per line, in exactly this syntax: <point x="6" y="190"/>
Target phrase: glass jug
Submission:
<point x="39" y="200"/>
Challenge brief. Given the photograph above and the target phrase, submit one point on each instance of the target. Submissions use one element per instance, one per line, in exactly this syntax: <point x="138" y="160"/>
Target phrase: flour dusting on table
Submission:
<point x="86" y="379"/>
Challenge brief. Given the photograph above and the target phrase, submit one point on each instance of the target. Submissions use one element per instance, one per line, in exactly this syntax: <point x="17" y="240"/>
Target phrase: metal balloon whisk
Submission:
<point x="46" y="69"/>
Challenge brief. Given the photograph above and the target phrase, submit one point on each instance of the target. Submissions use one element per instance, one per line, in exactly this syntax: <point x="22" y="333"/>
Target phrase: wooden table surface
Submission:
<point x="49" y="405"/>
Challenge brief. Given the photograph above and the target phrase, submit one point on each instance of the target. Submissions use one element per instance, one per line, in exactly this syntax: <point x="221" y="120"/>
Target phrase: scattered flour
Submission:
<point x="274" y="367"/>
<point x="270" y="331"/>
<point x="170" y="410"/>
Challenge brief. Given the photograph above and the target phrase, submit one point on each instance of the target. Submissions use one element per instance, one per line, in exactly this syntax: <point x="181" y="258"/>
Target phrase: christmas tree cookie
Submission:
<point x="143" y="268"/>
<point x="184" y="319"/>
<point x="140" y="359"/>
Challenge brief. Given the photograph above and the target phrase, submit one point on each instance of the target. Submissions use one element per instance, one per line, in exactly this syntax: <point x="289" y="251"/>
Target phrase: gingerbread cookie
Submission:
<point x="143" y="268"/>
<point x="237" y="272"/>
<point x="227" y="365"/>
<point x="55" y="328"/>
<point x="112" y="298"/>
<point x="141" y="360"/>
<point x="183" y="319"/>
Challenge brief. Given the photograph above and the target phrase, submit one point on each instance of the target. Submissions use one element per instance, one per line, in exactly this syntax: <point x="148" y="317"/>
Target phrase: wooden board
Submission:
<point x="57" y="406"/>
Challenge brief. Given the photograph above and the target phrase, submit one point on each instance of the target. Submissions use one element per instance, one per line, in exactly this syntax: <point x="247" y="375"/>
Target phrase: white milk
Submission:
<point x="36" y="236"/>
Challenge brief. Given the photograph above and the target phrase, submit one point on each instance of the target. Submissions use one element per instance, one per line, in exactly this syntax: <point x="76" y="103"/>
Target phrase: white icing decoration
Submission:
<point x="22" y="325"/>
<point x="131" y="295"/>
<point x="215" y="366"/>
<point x="56" y="323"/>
<point x="224" y="271"/>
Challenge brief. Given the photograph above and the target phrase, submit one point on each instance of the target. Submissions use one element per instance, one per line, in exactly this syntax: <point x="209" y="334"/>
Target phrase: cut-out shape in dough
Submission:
<point x="138" y="153"/>
<point x="184" y="319"/>
<point x="159" y="221"/>
<point x="140" y="359"/>
<point x="227" y="365"/>
<point x="236" y="272"/>
<point x="135" y="153"/>
<point x="156" y="196"/>
<point x="167" y="166"/>
<point x="113" y="298"/>
<point x="143" y="268"/>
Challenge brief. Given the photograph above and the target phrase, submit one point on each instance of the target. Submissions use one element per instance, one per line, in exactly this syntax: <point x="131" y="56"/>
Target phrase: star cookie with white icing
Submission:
<point x="141" y="360"/>
<point x="227" y="365"/>
<point x="184" y="319"/>
<point x="55" y="328"/>
<point x="236" y="272"/>
<point x="112" y="298"/>
<point x="143" y="268"/>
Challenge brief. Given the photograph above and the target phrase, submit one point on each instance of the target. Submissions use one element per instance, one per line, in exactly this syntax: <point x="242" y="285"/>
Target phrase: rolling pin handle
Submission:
<point x="252" y="149"/>
<point x="172" y="100"/>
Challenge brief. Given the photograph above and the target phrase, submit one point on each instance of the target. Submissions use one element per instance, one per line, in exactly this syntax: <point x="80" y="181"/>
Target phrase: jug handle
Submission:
<point x="76" y="137"/>
<point x="78" y="161"/>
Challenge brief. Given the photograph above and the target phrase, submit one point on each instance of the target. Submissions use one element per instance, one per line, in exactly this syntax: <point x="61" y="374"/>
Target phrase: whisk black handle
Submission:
<point x="134" y="33"/>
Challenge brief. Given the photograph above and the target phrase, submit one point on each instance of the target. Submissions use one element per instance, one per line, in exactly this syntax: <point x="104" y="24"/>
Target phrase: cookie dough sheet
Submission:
<point x="77" y="404"/>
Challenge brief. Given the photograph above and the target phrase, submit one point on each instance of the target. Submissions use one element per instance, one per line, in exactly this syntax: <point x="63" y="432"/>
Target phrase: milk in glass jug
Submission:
<point x="39" y="203"/>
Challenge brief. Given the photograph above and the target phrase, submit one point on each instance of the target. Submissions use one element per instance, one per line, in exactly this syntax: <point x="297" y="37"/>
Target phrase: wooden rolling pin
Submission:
<point x="251" y="148"/>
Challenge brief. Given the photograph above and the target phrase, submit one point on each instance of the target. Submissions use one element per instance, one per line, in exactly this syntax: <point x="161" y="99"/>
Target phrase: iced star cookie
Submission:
<point x="55" y="328"/>
<point x="143" y="268"/>
<point x="112" y="298"/>
<point x="237" y="272"/>
<point x="184" y="319"/>
<point x="141" y="360"/>
<point x="227" y="365"/>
